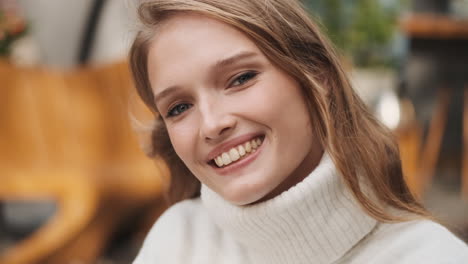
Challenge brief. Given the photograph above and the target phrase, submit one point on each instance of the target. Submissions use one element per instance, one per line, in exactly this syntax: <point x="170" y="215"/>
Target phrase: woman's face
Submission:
<point x="238" y="122"/>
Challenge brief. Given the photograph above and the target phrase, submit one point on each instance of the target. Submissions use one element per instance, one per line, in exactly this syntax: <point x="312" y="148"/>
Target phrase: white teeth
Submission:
<point x="254" y="144"/>
<point x="236" y="153"/>
<point x="233" y="154"/>
<point x="248" y="147"/>
<point x="226" y="159"/>
<point x="219" y="161"/>
<point x="241" y="150"/>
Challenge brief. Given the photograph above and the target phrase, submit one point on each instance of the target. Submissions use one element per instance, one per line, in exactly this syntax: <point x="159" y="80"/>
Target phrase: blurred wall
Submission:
<point x="57" y="27"/>
<point x="115" y="32"/>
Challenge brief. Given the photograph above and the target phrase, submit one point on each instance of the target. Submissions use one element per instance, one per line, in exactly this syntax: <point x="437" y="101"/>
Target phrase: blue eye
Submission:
<point x="243" y="78"/>
<point x="178" y="109"/>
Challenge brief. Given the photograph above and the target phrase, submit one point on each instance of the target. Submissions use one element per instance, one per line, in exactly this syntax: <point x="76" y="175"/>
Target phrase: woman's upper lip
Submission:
<point x="226" y="146"/>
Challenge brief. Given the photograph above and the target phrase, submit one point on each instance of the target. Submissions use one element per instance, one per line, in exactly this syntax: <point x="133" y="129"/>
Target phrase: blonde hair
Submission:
<point x="357" y="143"/>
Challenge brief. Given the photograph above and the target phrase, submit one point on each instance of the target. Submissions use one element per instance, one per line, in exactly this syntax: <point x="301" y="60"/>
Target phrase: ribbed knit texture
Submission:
<point x="316" y="221"/>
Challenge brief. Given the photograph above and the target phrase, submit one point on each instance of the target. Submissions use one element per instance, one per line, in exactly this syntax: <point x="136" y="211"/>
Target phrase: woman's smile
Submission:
<point x="237" y="153"/>
<point x="235" y="149"/>
<point x="237" y="157"/>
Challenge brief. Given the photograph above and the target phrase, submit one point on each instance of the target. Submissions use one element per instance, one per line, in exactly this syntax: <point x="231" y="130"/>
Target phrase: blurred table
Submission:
<point x="434" y="26"/>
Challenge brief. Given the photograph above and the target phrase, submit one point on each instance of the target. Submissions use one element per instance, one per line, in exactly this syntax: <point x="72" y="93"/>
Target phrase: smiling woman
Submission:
<point x="274" y="158"/>
<point x="224" y="94"/>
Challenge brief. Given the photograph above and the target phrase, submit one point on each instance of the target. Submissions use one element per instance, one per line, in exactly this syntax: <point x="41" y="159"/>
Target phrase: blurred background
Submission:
<point x="75" y="184"/>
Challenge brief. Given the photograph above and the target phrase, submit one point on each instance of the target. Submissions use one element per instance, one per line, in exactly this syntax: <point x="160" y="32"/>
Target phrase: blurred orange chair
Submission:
<point x="67" y="136"/>
<point x="419" y="155"/>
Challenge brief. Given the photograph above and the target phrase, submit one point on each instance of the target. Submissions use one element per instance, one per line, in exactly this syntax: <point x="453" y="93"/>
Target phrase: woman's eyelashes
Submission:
<point x="178" y="109"/>
<point x="243" y="78"/>
<point x="239" y="80"/>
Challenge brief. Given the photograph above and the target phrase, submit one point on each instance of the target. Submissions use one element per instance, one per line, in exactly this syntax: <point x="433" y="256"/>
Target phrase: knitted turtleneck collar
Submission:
<point x="316" y="221"/>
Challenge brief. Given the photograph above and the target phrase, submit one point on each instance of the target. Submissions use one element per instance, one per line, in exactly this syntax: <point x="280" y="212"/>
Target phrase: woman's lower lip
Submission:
<point x="240" y="164"/>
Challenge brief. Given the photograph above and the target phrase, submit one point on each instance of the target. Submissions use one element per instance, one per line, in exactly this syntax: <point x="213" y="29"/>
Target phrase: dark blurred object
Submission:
<point x="12" y="25"/>
<point x="21" y="218"/>
<point x="66" y="136"/>
<point x="437" y="78"/>
<point x="465" y="146"/>
<point x="431" y="6"/>
<point x="90" y="31"/>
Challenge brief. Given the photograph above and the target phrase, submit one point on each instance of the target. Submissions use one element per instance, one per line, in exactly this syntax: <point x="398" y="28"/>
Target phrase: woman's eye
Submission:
<point x="243" y="78"/>
<point x="178" y="109"/>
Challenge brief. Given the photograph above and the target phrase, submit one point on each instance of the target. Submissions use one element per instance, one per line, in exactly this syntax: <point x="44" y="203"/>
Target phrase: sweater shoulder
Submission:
<point x="168" y="237"/>
<point x="185" y="233"/>
<point x="419" y="241"/>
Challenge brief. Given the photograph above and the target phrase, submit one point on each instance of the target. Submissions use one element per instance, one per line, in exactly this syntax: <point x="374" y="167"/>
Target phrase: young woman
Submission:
<point x="274" y="158"/>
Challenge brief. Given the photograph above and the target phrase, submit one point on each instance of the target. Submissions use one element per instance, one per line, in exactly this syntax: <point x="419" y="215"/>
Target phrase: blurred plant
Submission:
<point x="12" y="26"/>
<point x="363" y="29"/>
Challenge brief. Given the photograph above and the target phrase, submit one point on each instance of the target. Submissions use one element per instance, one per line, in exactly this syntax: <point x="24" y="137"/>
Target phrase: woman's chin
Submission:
<point x="244" y="196"/>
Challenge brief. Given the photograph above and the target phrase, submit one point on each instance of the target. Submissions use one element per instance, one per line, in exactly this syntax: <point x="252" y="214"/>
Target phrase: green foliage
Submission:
<point x="10" y="30"/>
<point x="362" y="29"/>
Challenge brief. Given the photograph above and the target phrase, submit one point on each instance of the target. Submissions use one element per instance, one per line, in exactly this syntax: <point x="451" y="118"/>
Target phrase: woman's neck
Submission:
<point x="299" y="174"/>
<point x="316" y="219"/>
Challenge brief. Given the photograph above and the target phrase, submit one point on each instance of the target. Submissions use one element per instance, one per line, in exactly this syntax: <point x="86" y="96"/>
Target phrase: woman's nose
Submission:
<point x="216" y="122"/>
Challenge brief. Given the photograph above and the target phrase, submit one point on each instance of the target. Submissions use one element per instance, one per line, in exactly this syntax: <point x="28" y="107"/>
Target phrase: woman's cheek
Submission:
<point x="264" y="101"/>
<point x="183" y="137"/>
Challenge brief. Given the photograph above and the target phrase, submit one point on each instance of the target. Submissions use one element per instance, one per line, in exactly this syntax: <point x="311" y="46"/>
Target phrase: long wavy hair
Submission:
<point x="363" y="150"/>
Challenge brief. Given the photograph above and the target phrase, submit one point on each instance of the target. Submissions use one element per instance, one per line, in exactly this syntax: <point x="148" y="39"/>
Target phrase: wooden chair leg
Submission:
<point x="431" y="149"/>
<point x="410" y="141"/>
<point x="464" y="190"/>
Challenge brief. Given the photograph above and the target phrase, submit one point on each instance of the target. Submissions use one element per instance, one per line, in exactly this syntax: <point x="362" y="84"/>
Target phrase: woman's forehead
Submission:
<point x="187" y="30"/>
<point x="189" y="42"/>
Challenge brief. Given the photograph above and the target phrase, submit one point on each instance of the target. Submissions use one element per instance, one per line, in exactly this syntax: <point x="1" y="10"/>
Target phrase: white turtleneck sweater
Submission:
<point x="316" y="221"/>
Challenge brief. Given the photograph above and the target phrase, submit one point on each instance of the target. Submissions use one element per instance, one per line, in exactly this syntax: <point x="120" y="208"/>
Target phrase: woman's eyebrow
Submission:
<point x="166" y="92"/>
<point x="223" y="63"/>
